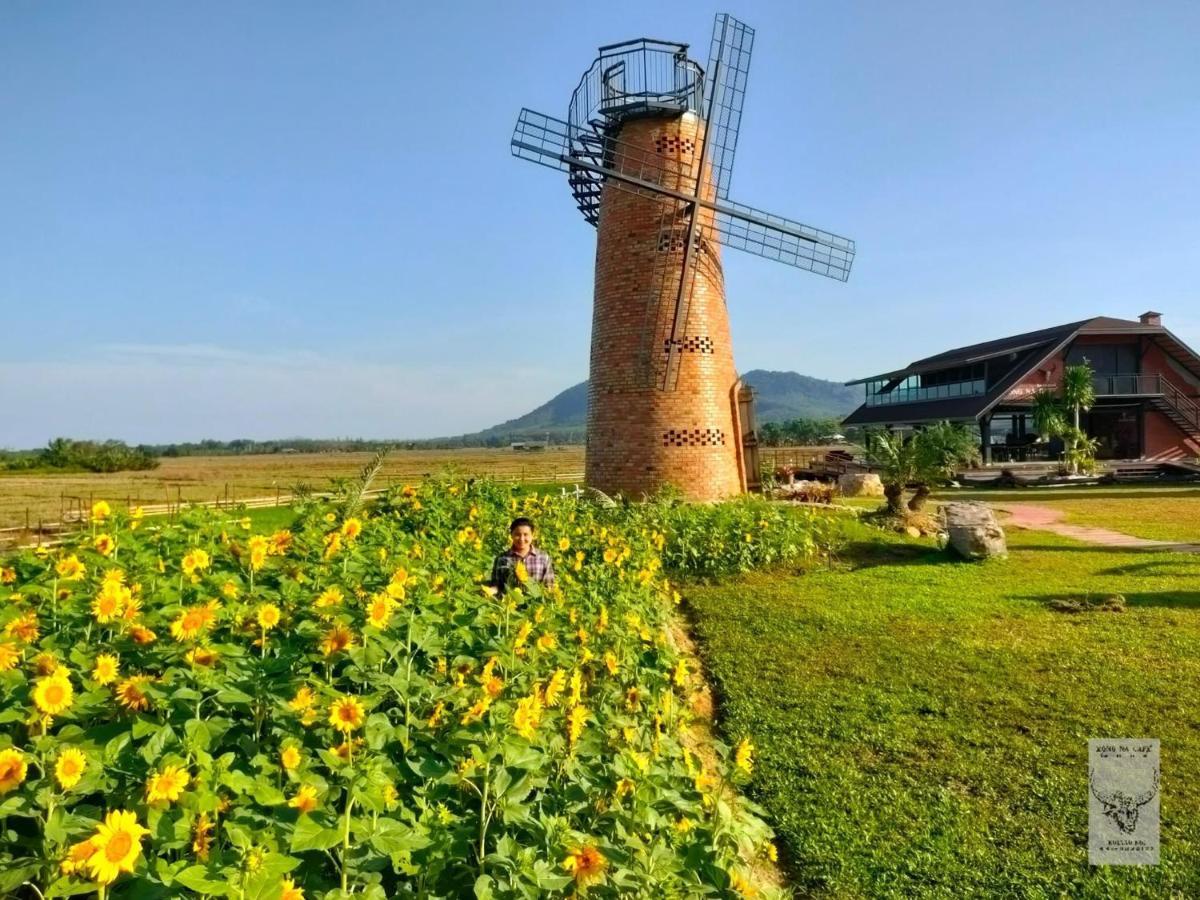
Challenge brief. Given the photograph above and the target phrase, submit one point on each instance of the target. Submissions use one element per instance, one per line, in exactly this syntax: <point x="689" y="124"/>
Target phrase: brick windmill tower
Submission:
<point x="648" y="149"/>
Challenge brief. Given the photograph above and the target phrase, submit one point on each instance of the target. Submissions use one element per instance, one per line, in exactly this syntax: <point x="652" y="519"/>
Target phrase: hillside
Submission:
<point x="781" y="396"/>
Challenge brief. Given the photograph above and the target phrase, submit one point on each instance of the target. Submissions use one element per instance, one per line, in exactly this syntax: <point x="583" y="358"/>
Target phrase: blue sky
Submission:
<point x="273" y="219"/>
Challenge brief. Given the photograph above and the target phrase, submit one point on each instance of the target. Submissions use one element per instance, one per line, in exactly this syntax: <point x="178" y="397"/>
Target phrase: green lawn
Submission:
<point x="922" y="723"/>
<point x="1157" y="513"/>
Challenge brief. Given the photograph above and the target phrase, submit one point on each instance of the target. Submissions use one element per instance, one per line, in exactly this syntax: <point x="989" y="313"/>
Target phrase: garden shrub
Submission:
<point x="723" y="539"/>
<point x="191" y="709"/>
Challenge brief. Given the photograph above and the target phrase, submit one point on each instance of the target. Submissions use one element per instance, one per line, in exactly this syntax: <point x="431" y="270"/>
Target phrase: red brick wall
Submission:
<point x="1164" y="440"/>
<point x="1154" y="362"/>
<point x="641" y="437"/>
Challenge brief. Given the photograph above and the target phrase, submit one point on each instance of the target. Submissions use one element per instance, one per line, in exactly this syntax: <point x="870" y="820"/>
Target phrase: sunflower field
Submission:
<point x="343" y="708"/>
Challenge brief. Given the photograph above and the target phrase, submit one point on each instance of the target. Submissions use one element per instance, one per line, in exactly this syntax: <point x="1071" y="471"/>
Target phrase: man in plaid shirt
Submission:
<point x="537" y="563"/>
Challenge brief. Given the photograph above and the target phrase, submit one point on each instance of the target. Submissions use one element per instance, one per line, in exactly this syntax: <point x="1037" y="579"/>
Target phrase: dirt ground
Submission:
<point x="45" y="497"/>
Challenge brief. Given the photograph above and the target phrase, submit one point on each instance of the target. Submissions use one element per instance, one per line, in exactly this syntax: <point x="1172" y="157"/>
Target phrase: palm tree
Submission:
<point x="896" y="459"/>
<point x="1047" y="414"/>
<point x="941" y="449"/>
<point x="1079" y="388"/>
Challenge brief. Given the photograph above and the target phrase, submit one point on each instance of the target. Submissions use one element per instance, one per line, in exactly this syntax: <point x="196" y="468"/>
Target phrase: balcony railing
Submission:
<point x="1183" y="408"/>
<point x="1127" y="385"/>
<point x="932" y="392"/>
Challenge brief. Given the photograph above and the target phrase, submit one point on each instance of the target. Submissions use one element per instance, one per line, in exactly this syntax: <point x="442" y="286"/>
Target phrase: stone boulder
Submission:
<point x="972" y="530"/>
<point x="854" y="484"/>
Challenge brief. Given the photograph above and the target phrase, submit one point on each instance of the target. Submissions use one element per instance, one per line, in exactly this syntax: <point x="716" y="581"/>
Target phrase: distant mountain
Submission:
<point x="781" y="396"/>
<point x="787" y="395"/>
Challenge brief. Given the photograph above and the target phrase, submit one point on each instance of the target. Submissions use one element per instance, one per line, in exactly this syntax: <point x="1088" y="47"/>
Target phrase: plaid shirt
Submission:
<point x="537" y="564"/>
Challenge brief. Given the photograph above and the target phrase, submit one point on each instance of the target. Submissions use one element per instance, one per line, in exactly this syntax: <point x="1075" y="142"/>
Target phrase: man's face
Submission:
<point x="522" y="539"/>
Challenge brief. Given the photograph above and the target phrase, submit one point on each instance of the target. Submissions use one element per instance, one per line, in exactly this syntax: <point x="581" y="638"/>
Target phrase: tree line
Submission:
<point x="67" y="455"/>
<point x="804" y="432"/>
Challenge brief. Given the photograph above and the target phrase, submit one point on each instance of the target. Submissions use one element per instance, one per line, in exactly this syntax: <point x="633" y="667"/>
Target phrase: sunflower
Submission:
<point x="202" y="837"/>
<point x="346" y="714"/>
<point x="345" y="749"/>
<point x="7" y="575"/>
<point x="555" y="686"/>
<point x="290" y="891"/>
<point x="69" y="767"/>
<point x="305" y="799"/>
<point x="9" y="657"/>
<point x="337" y="639"/>
<point x="101" y="510"/>
<point x="435" y="717"/>
<point x="111" y="601"/>
<point x="130" y="693"/>
<point x="280" y="542"/>
<point x="743" y="757"/>
<point x="333" y="543"/>
<point x="142" y="635"/>
<point x="77" y="857"/>
<point x="70" y="568"/>
<point x="260" y="548"/>
<point x="135" y="518"/>
<point x="12" y="769"/>
<point x="527" y="716"/>
<point x="192" y="622"/>
<point x="303" y="700"/>
<point x="289" y="757"/>
<point x="194" y="560"/>
<point x="23" y="628"/>
<point x="45" y="663"/>
<point x="105" y="544"/>
<point x="680" y="675"/>
<point x="610" y="556"/>
<point x="53" y="694"/>
<point x="205" y="657"/>
<point x="477" y="711"/>
<point x="379" y="611"/>
<point x="116" y="846"/>
<point x="331" y="596"/>
<point x="167" y="785"/>
<point x="351" y="529"/>
<point x="586" y="865"/>
<point x="390" y="795"/>
<point x="493" y="685"/>
<point x="268" y="616"/>
<point x="576" y="721"/>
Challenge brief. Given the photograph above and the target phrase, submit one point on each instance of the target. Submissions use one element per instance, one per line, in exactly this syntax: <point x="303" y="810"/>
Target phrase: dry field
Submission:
<point x="199" y="478"/>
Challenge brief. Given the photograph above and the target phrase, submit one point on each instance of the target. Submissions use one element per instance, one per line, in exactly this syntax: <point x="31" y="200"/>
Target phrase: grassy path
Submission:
<point x="1042" y="517"/>
<point x="1157" y="513"/>
<point x="922" y="724"/>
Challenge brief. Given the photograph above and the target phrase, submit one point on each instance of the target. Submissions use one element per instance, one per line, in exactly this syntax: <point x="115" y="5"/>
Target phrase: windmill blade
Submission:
<point x="774" y="237"/>
<point x="542" y="139"/>
<point x="728" y="69"/>
<point x="549" y="142"/>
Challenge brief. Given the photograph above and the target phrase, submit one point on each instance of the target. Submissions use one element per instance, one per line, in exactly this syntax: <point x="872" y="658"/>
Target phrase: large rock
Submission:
<point x="854" y="484"/>
<point x="972" y="530"/>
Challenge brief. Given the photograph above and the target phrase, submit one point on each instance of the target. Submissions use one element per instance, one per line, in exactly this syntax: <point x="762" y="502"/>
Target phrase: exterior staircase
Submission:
<point x="588" y="144"/>
<point x="1162" y="395"/>
<point x="1181" y="410"/>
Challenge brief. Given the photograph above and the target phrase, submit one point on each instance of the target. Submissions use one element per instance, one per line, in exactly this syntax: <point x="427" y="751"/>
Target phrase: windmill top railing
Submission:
<point x="635" y="77"/>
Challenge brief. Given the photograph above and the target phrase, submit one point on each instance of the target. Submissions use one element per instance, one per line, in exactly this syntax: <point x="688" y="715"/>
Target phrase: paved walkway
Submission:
<point x="1047" y="518"/>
